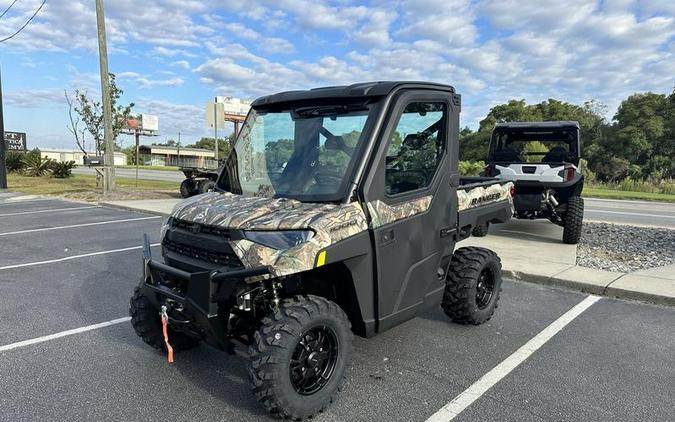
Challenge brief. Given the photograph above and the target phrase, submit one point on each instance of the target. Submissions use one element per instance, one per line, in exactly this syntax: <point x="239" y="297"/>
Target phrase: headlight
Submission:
<point x="165" y="226"/>
<point x="279" y="239"/>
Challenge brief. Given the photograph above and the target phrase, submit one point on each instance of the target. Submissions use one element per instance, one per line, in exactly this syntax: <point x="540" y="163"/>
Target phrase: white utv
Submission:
<point x="542" y="160"/>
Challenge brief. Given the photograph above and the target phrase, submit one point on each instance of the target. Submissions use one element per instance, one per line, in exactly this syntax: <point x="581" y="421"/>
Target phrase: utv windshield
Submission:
<point x="535" y="146"/>
<point x="305" y="153"/>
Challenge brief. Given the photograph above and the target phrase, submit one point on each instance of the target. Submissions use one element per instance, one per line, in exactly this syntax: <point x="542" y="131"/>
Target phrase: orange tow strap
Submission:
<point x="165" y="328"/>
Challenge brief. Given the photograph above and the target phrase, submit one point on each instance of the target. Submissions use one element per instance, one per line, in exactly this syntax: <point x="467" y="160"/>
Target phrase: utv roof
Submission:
<point x="538" y="125"/>
<point x="360" y="90"/>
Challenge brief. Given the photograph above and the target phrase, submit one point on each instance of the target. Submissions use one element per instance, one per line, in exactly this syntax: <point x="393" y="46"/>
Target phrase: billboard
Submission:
<point x="15" y="141"/>
<point x="234" y="106"/>
<point x="149" y="122"/>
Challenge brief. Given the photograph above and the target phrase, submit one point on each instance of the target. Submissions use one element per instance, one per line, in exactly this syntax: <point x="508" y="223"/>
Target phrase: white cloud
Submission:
<point x="182" y="64"/>
<point x="266" y="44"/>
<point x="447" y="21"/>
<point x="145" y="82"/>
<point x="34" y="98"/>
<point x="171" y="52"/>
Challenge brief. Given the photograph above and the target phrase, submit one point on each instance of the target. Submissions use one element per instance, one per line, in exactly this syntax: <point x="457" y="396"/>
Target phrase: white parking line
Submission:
<point x="63" y="334"/>
<point x="68" y="258"/>
<point x="126" y="220"/>
<point x="25" y="201"/>
<point x="487" y="381"/>
<point x="52" y="210"/>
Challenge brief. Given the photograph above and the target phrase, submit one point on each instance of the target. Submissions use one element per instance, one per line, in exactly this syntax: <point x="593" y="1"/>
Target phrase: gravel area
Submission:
<point x="622" y="248"/>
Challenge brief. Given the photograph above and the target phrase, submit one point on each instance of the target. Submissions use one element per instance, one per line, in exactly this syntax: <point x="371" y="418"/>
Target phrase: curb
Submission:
<point x="607" y="291"/>
<point x="133" y="209"/>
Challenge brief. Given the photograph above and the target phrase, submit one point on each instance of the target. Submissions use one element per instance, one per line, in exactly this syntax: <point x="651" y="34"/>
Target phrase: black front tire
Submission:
<point x="481" y="230"/>
<point x="207" y="185"/>
<point x="148" y="326"/>
<point x="187" y="188"/>
<point x="274" y="372"/>
<point x="573" y="220"/>
<point x="472" y="286"/>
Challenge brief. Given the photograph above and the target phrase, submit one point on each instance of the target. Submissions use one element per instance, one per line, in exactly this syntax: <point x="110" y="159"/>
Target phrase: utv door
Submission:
<point x="412" y="203"/>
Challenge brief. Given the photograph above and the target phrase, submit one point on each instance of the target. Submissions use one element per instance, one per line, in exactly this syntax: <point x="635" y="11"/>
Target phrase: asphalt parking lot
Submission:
<point x="65" y="266"/>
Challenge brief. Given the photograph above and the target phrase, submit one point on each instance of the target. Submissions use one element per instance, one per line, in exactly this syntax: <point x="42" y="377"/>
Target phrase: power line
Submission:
<point x="25" y="24"/>
<point x="9" y="7"/>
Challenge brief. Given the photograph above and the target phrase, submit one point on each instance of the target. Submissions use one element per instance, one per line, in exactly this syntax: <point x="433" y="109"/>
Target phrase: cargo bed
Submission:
<point x="482" y="200"/>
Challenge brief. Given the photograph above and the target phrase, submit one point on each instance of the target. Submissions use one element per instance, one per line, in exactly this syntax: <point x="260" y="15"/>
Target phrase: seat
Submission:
<point x="507" y="155"/>
<point x="556" y="155"/>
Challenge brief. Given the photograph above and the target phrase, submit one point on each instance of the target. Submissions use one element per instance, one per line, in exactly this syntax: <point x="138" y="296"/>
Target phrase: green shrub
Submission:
<point x="62" y="170"/>
<point x="36" y="165"/>
<point x="35" y="152"/>
<point x="471" y="168"/>
<point x="634" y="172"/>
<point x="667" y="187"/>
<point x="589" y="176"/>
<point x="14" y="161"/>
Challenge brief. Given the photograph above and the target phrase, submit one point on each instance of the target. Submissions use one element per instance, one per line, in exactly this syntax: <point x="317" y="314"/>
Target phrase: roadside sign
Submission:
<point x="15" y="141"/>
<point x="149" y="122"/>
<point x="93" y="161"/>
<point x="212" y="110"/>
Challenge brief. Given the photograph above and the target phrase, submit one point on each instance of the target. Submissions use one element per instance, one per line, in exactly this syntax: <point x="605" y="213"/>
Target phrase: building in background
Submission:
<point x="63" y="155"/>
<point x="158" y="155"/>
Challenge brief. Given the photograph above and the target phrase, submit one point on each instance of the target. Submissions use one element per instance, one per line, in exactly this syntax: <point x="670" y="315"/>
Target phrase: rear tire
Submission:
<point x="472" y="286"/>
<point x="573" y="220"/>
<point x="187" y="188"/>
<point x="148" y="326"/>
<point x="481" y="230"/>
<point x="287" y="355"/>
<point x="207" y="185"/>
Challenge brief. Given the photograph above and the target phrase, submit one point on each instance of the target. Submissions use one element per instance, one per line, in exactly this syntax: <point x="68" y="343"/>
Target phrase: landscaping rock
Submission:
<point x="623" y="248"/>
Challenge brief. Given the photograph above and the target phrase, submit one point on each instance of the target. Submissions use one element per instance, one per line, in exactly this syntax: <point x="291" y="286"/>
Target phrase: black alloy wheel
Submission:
<point x="313" y="360"/>
<point x="485" y="288"/>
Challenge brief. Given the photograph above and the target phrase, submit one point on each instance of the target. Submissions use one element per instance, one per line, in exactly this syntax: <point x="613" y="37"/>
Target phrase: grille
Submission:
<point x="196" y="228"/>
<point x="225" y="259"/>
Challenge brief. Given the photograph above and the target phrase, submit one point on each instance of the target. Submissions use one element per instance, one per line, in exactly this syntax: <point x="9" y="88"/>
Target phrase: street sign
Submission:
<point x="15" y="141"/>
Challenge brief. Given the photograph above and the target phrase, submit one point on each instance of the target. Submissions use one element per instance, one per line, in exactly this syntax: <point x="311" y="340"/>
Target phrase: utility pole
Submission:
<point x="3" y="169"/>
<point x="215" y="127"/>
<point x="109" y="158"/>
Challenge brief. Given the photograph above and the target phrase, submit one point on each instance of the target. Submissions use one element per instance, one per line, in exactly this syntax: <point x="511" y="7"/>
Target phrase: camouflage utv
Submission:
<point x="336" y="212"/>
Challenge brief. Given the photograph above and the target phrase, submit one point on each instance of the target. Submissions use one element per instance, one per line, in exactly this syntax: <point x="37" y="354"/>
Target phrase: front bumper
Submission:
<point x="193" y="309"/>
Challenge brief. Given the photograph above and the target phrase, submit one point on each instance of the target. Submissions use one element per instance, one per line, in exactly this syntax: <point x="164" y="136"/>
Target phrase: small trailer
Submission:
<point x="198" y="180"/>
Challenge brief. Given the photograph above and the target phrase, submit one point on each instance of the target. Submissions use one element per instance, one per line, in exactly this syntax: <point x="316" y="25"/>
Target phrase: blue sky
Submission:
<point x="171" y="56"/>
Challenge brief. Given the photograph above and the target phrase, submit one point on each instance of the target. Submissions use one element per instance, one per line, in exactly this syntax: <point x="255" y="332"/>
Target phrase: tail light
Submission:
<point x="512" y="191"/>
<point x="569" y="173"/>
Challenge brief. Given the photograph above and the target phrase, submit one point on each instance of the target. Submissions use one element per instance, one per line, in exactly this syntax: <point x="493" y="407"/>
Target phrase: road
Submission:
<point x="630" y="212"/>
<point x="69" y="353"/>
<point x="166" y="176"/>
<point x="609" y="210"/>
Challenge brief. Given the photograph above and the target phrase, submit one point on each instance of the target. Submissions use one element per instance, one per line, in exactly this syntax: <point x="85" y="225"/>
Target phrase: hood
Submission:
<point x="232" y="211"/>
<point x="331" y="223"/>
